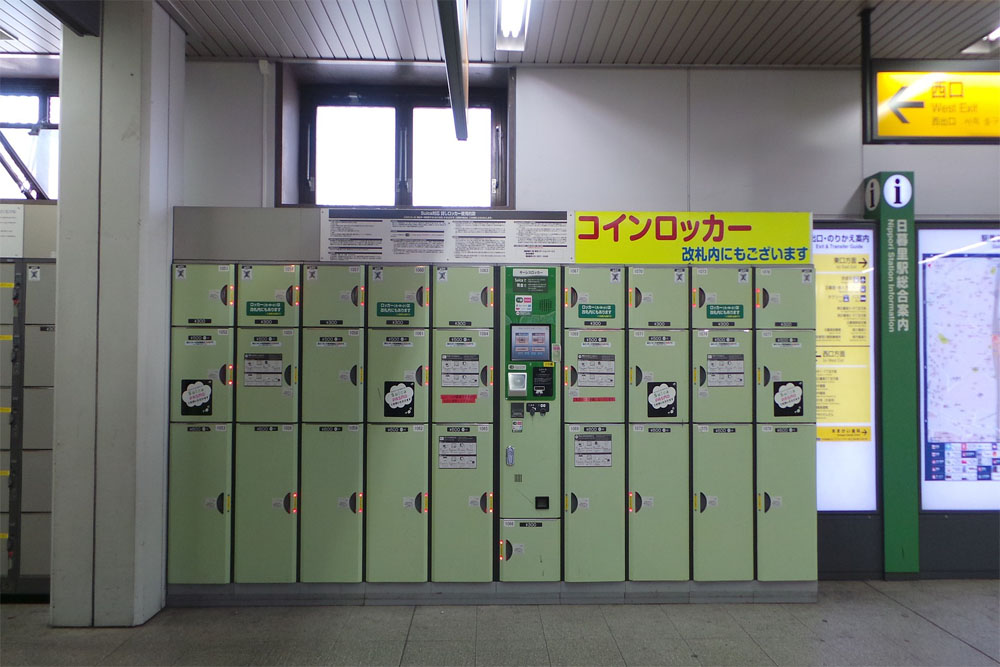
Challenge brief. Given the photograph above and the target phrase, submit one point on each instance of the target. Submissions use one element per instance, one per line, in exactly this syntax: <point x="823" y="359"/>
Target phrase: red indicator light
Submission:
<point x="232" y="290"/>
<point x="297" y="295"/>
<point x="361" y="506"/>
<point x="427" y="375"/>
<point x="566" y="376"/>
<point x="230" y="374"/>
<point x="427" y="503"/>
<point x="362" y="296"/>
<point x="491" y="384"/>
<point x="501" y="549"/>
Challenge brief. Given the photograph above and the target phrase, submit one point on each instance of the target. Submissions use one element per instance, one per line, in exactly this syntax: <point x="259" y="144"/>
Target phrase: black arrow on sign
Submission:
<point x="864" y="260"/>
<point x="895" y="104"/>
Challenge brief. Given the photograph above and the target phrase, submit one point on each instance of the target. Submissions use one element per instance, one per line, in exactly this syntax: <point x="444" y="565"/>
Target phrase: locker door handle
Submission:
<point x="353" y="502"/>
<point x="287" y="503"/>
<point x="702" y="376"/>
<point x="484" y="376"/>
<point x="573" y="503"/>
<point x="510" y="455"/>
<point x="288" y="296"/>
<point x="484" y="297"/>
<point x="703" y="502"/>
<point x="288" y="374"/>
<point x="701" y="297"/>
<point x="418" y="502"/>
<point x="354" y="375"/>
<point x="638" y="502"/>
<point x="765" y="298"/>
<point x="220" y="503"/>
<point x="420" y="296"/>
<point x="572" y="296"/>
<point x="224" y="294"/>
<point x="638" y="376"/>
<point x="483" y="503"/>
<point x="420" y="375"/>
<point x="767" y="375"/>
<point x="767" y="501"/>
<point x="636" y="297"/>
<point x="222" y="373"/>
<point x="573" y="376"/>
<point x="354" y="295"/>
<point x="508" y="549"/>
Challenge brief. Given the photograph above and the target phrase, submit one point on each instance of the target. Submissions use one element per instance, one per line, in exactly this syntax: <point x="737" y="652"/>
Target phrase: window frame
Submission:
<point x="45" y="89"/>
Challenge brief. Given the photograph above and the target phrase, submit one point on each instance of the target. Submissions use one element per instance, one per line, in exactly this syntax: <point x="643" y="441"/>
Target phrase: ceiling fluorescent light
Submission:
<point x="512" y="24"/>
<point x="986" y="45"/>
<point x="995" y="35"/>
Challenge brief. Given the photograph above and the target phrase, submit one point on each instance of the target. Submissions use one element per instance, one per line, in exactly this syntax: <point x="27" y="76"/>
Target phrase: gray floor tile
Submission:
<point x="377" y="652"/>
<point x="729" y="652"/>
<point x="44" y="653"/>
<point x="444" y="653"/>
<point x="584" y="651"/>
<point x="795" y="651"/>
<point x="872" y="651"/>
<point x="143" y="649"/>
<point x="377" y="623"/>
<point x="511" y="623"/>
<point x="704" y="621"/>
<point x="937" y="647"/>
<point x="224" y="652"/>
<point x="762" y="620"/>
<point x="455" y="623"/>
<point x="569" y="621"/>
<point x="643" y="622"/>
<point x="657" y="652"/>
<point x="494" y="653"/>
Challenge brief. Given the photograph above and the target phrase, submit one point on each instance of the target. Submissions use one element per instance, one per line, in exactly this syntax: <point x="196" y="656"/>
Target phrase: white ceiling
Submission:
<point x="581" y="32"/>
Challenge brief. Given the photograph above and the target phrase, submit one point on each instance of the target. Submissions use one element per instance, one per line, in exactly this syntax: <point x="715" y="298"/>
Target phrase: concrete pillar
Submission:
<point x="119" y="150"/>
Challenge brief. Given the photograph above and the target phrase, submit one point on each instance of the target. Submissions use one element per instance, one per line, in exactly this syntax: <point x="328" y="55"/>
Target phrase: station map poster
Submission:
<point x="845" y="379"/>
<point x="959" y="281"/>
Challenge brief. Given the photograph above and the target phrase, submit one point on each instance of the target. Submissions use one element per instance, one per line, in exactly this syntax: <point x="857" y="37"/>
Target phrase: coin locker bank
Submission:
<point x="546" y="428"/>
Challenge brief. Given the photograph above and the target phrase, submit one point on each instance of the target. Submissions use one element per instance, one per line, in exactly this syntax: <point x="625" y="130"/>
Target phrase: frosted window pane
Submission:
<point x="448" y="172"/>
<point x="355" y="156"/>
<point x="18" y="109"/>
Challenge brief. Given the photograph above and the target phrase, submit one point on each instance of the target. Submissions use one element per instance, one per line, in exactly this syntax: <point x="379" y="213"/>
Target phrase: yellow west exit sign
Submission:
<point x="938" y="105"/>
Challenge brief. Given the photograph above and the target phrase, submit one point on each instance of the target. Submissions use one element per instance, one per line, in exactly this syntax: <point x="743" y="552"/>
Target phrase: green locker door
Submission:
<point x="785" y="298"/>
<point x="462" y="513"/>
<point x="723" y="502"/>
<point x="786" y="375"/>
<point x="594" y="297"/>
<point x="333" y="296"/>
<point x="594" y="375"/>
<point x="463" y="296"/>
<point x="330" y="508"/>
<point x="198" y="518"/>
<point x="398" y="375"/>
<point x="529" y="461"/>
<point x="201" y="374"/>
<point x="659" y="297"/>
<point x="333" y="375"/>
<point x="396" y="503"/>
<point x="786" y="502"/>
<point x="594" y="504"/>
<point x="659" y="367"/>
<point x="265" y="503"/>
<point x="268" y="295"/>
<point x="399" y="296"/>
<point x="722" y="362"/>
<point x="658" y="496"/>
<point x="203" y="295"/>
<point x="529" y="550"/>
<point x="463" y="368"/>
<point x="721" y="297"/>
<point x="267" y="375"/>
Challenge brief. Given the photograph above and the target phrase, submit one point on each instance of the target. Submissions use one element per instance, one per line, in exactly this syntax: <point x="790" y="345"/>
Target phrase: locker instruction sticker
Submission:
<point x="397" y="341"/>
<point x="331" y="341"/>
<point x="725" y="370"/>
<point x="395" y="308"/>
<point x="460" y="341"/>
<point x="196" y="397"/>
<point x="788" y="399"/>
<point x="661" y="399"/>
<point x="265" y="308"/>
<point x="592" y="450"/>
<point x="398" y="399"/>
<point x="595" y="341"/>
<point x="202" y="340"/>
<point x="660" y="341"/>
<point x="729" y="311"/>
<point x="603" y="311"/>
<point x="262" y="370"/>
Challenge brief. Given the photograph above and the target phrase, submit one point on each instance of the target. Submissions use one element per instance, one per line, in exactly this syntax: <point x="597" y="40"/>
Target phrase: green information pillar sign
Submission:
<point x="889" y="201"/>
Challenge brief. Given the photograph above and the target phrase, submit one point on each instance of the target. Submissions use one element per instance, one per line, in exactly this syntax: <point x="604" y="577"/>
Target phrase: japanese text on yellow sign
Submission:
<point x="938" y="104"/>
<point x="692" y="237"/>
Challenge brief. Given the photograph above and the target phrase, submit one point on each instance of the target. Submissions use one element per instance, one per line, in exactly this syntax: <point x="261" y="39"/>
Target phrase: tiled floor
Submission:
<point x="854" y="623"/>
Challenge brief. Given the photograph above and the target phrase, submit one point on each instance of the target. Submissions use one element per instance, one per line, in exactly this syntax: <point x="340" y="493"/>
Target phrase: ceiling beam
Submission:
<point x="455" y="37"/>
<point x="81" y="16"/>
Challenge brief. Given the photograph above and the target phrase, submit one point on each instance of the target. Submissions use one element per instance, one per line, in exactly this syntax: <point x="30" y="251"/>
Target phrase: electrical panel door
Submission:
<point x="36" y="544"/>
<point x="658" y="297"/>
<point x="199" y="502"/>
<point x="332" y="503"/>
<point x="594" y="375"/>
<point x="203" y="295"/>
<point x="462" y="514"/>
<point x="6" y="408"/>
<point x="265" y="503"/>
<point x="399" y="296"/>
<point x="333" y="296"/>
<point x="594" y="297"/>
<point x="201" y="374"/>
<point x="658" y="497"/>
<point x="659" y="370"/>
<point x="267" y="375"/>
<point x="785" y="298"/>
<point x="723" y="502"/>
<point x="10" y="287"/>
<point x="398" y="375"/>
<point x="463" y="370"/>
<point x="786" y="375"/>
<point x="7" y="354"/>
<point x="396" y="503"/>
<point x="36" y="418"/>
<point x="722" y="363"/>
<point x="463" y="296"/>
<point x="269" y="295"/>
<point x="786" y="502"/>
<point x="39" y="355"/>
<point x="40" y="293"/>
<point x="333" y="375"/>
<point x="529" y="550"/>
<point x="594" y="503"/>
<point x="721" y="297"/>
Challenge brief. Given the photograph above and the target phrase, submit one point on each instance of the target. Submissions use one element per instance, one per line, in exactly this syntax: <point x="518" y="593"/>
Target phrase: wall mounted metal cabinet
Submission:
<point x="398" y="375"/>
<point x="203" y="295"/>
<point x="399" y="296"/>
<point x="37" y="418"/>
<point x="721" y="298"/>
<point x="7" y="354"/>
<point x="267" y="375"/>
<point x="594" y="375"/>
<point x="722" y="364"/>
<point x="9" y="287"/>
<point x="594" y="297"/>
<point x="659" y="297"/>
<point x="39" y="355"/>
<point x="785" y="298"/>
<point x="268" y="295"/>
<point x="463" y="370"/>
<point x="40" y="293"/>
<point x="786" y="375"/>
<point x="201" y="374"/>
<point x="333" y="296"/>
<point x="529" y="550"/>
<point x="463" y="296"/>
<point x="659" y="368"/>
<point x="333" y="375"/>
<point x="36" y="544"/>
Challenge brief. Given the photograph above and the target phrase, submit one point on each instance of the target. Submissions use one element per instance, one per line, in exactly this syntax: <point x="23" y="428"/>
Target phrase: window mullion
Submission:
<point x="404" y="154"/>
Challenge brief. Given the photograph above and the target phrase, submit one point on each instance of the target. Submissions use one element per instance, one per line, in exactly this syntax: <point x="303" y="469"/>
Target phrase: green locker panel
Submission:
<point x="529" y="550"/>
<point x="462" y="512"/>
<point x="785" y="298"/>
<point x="594" y="504"/>
<point x="40" y="293"/>
<point x="594" y="375"/>
<point x="267" y="375"/>
<point x="659" y="368"/>
<point x="786" y="502"/>
<point x="201" y="374"/>
<point x="463" y="296"/>
<point x="399" y="296"/>
<point x="529" y="460"/>
<point x="265" y="503"/>
<point x="658" y="497"/>
<point x="7" y="294"/>
<point x="594" y="297"/>
<point x="721" y="297"/>
<point x="396" y="503"/>
<point x="658" y="297"/>
<point x="199" y="502"/>
<point x="722" y="364"/>
<point x="723" y="502"/>
<point x="463" y="370"/>
<point x="398" y="375"/>
<point x="203" y="295"/>
<point x="786" y="375"/>
<point x="332" y="375"/>
<point x="331" y="505"/>
<point x="269" y="295"/>
<point x="333" y="296"/>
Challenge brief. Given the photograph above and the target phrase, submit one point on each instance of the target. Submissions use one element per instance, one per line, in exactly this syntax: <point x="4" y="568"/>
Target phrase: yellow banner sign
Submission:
<point x="938" y="105"/>
<point x="843" y="433"/>
<point x="692" y="237"/>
